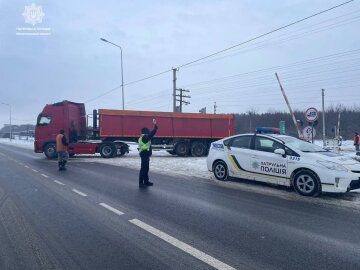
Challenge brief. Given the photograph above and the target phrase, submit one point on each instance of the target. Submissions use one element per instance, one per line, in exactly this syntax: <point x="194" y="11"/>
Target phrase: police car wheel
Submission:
<point x="220" y="170"/>
<point x="306" y="183"/>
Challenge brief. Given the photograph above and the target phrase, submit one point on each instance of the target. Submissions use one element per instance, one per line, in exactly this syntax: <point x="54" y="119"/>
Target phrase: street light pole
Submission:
<point x="10" y="118"/>
<point x="122" y="70"/>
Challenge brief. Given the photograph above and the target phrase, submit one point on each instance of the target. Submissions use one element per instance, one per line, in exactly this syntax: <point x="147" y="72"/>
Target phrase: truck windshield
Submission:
<point x="302" y="145"/>
<point x="43" y="120"/>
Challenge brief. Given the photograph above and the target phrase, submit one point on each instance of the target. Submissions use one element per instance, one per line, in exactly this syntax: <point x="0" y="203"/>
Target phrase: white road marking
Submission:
<point x="58" y="182"/>
<point x="26" y="166"/>
<point x="181" y="245"/>
<point x="112" y="209"/>
<point x="45" y="175"/>
<point x="34" y="170"/>
<point x="79" y="192"/>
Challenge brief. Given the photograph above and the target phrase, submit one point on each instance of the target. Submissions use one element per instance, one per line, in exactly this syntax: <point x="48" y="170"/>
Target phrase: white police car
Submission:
<point x="283" y="160"/>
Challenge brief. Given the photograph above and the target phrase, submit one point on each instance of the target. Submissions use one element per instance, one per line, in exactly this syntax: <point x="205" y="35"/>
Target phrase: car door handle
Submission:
<point x="253" y="156"/>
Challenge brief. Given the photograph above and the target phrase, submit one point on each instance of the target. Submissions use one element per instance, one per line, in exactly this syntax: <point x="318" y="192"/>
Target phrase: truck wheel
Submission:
<point x="107" y="150"/>
<point x="122" y="149"/>
<point x="220" y="170"/>
<point x="50" y="150"/>
<point x="198" y="149"/>
<point x="307" y="183"/>
<point x="182" y="149"/>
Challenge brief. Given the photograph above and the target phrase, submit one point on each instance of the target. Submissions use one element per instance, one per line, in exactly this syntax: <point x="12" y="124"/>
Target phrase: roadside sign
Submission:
<point x="314" y="124"/>
<point x="311" y="114"/>
<point x="282" y="127"/>
<point x="307" y="131"/>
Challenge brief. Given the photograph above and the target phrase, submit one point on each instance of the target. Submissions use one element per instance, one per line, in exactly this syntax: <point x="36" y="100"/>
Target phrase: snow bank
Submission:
<point x="28" y="144"/>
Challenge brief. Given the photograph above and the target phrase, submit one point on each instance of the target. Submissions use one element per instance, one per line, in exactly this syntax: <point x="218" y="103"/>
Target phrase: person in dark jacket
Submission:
<point x="145" y="152"/>
<point x="61" y="149"/>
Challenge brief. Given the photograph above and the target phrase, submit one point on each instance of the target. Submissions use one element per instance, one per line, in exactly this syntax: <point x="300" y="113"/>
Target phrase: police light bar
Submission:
<point x="267" y="130"/>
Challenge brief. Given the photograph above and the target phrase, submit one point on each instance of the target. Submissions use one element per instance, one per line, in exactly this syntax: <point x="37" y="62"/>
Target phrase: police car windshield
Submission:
<point x="302" y="145"/>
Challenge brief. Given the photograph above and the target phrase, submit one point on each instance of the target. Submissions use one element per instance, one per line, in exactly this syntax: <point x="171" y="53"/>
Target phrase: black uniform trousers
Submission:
<point x="144" y="171"/>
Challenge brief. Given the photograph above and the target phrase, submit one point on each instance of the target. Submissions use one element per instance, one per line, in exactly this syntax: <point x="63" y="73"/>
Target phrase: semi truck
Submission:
<point x="182" y="134"/>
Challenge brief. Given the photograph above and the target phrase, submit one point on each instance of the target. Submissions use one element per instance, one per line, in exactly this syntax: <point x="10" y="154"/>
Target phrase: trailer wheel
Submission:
<point x="122" y="149"/>
<point x="50" y="150"/>
<point x="182" y="149"/>
<point x="198" y="149"/>
<point x="107" y="150"/>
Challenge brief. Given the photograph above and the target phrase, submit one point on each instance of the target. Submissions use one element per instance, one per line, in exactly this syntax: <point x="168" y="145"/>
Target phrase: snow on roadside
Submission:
<point x="27" y="144"/>
<point x="160" y="162"/>
<point x="164" y="163"/>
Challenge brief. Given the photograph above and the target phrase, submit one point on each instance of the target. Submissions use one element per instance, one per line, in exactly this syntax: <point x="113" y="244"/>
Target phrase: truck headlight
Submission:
<point x="332" y="165"/>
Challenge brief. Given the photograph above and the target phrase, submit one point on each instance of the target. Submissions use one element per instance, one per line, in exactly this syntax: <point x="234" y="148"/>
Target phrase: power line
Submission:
<point x="129" y="83"/>
<point x="265" y="34"/>
<point x="224" y="50"/>
<point x="291" y="65"/>
<point x="253" y="47"/>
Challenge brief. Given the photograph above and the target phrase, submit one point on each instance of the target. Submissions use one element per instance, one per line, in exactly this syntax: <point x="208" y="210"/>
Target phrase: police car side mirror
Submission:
<point x="280" y="152"/>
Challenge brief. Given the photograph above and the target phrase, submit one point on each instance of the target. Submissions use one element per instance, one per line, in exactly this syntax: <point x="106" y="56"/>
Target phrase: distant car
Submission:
<point x="283" y="160"/>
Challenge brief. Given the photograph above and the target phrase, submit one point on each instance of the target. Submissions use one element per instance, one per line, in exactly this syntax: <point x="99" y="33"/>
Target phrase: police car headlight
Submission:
<point x="332" y="165"/>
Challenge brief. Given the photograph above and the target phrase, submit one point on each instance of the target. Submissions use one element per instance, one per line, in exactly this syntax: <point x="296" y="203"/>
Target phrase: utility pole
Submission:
<point x="250" y="122"/>
<point x="338" y="126"/>
<point x="174" y="89"/>
<point x="181" y="98"/>
<point x="323" y="114"/>
<point x="288" y="104"/>
<point x="215" y="106"/>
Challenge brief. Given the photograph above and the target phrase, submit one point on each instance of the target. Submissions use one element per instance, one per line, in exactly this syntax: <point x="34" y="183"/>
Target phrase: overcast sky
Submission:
<point x="73" y="64"/>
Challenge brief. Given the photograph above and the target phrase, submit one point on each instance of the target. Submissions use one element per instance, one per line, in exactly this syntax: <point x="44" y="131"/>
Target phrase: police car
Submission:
<point x="283" y="160"/>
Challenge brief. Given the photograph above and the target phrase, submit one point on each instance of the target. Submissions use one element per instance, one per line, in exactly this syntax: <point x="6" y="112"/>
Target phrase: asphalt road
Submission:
<point x="94" y="216"/>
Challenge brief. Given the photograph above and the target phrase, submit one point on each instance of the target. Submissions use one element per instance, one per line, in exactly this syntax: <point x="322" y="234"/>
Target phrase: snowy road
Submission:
<point x="93" y="216"/>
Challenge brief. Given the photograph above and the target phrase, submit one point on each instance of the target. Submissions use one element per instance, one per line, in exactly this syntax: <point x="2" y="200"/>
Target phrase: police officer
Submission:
<point x="61" y="149"/>
<point x="145" y="152"/>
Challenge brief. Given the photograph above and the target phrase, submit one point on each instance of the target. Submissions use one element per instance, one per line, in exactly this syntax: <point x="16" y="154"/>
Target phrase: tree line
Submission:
<point x="349" y="121"/>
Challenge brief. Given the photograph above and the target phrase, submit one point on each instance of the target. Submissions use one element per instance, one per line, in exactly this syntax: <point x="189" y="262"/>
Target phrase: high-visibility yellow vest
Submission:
<point x="143" y="146"/>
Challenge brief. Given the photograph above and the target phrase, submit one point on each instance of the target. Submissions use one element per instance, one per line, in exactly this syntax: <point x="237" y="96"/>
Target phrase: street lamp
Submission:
<point x="10" y="118"/>
<point x="122" y="71"/>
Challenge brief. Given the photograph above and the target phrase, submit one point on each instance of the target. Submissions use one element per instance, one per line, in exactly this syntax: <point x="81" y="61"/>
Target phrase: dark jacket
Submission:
<point x="146" y="138"/>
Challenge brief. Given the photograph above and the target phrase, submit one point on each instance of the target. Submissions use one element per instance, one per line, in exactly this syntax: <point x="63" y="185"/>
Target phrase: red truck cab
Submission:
<point x="70" y="117"/>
